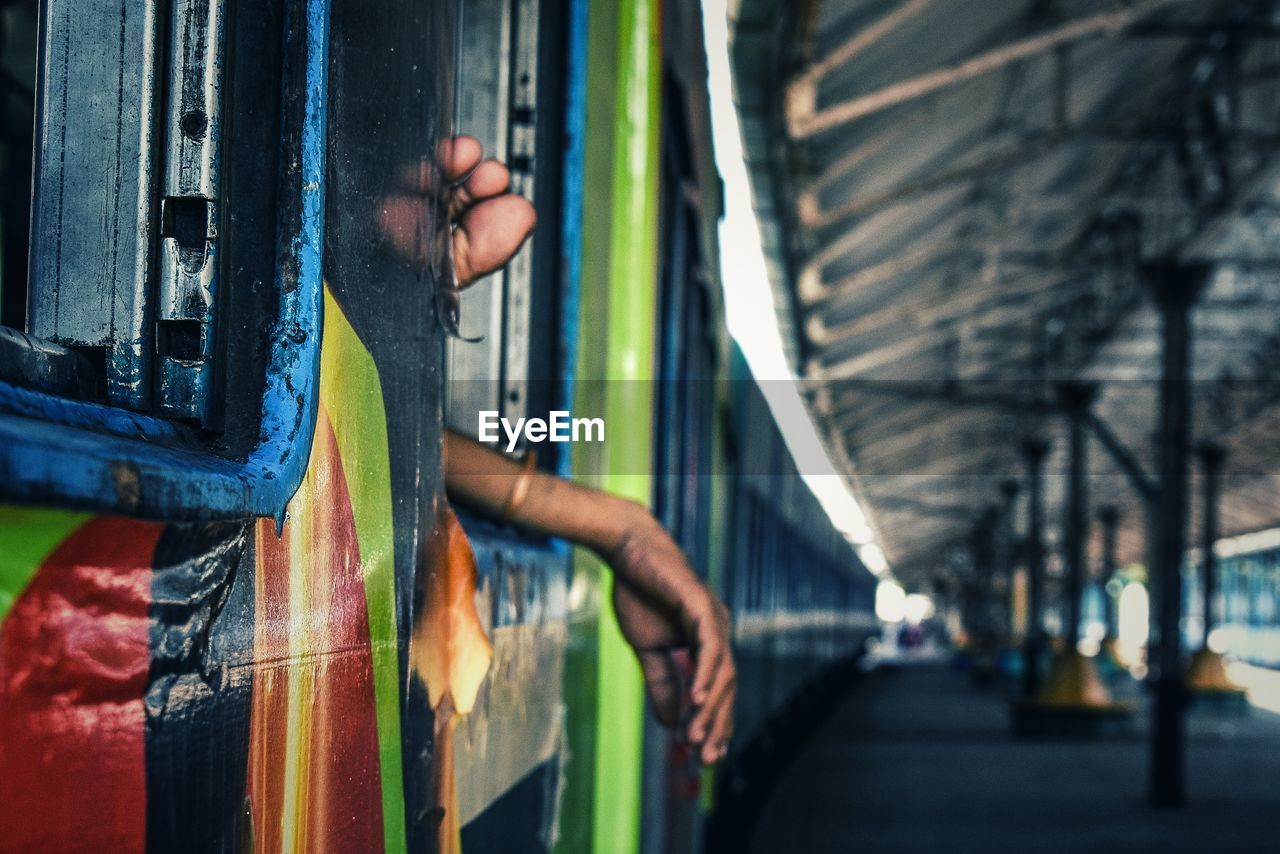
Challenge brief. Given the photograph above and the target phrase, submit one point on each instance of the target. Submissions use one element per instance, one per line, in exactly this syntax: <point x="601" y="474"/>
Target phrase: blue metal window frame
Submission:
<point x="55" y="451"/>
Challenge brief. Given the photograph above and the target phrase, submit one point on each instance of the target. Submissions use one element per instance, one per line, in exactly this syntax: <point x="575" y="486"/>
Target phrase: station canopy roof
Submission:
<point x="960" y="203"/>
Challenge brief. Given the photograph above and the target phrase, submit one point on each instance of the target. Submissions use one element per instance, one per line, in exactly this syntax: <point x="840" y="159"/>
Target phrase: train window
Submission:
<point x="17" y="104"/>
<point x="161" y="314"/>
<point x="686" y="347"/>
<point x="509" y="96"/>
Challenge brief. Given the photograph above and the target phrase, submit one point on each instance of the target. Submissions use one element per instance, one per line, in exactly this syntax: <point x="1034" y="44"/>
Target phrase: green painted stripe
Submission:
<point x="351" y="392"/>
<point x="27" y="537"/>
<point x="629" y="404"/>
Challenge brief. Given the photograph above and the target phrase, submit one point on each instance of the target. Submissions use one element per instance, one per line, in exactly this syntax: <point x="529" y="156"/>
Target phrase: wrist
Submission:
<point x="633" y="524"/>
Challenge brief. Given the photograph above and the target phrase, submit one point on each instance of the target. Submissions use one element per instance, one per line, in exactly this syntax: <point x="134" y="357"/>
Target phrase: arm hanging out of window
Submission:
<point x="661" y="604"/>
<point x="663" y="608"/>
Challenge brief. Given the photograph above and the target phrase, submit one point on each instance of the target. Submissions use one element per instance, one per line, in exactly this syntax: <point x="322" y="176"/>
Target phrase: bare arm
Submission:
<point x="661" y="604"/>
<point x="482" y="478"/>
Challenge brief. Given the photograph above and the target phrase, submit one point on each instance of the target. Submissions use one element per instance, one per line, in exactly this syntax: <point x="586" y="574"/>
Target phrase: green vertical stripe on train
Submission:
<point x="628" y="405"/>
<point x="27" y="537"/>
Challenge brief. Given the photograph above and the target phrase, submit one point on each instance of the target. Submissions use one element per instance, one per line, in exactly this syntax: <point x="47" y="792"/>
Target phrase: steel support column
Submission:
<point x="1076" y="399"/>
<point x="1174" y="287"/>
<point x="1009" y="490"/>
<point x="1211" y="458"/>
<point x="984" y="538"/>
<point x="1109" y="518"/>
<point x="1034" y="450"/>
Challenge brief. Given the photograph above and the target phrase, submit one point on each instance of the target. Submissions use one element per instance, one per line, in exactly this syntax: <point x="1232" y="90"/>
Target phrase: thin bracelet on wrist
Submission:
<point x="520" y="489"/>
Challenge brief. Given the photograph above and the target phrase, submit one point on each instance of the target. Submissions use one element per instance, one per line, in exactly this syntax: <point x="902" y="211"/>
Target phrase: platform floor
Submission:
<point x="916" y="759"/>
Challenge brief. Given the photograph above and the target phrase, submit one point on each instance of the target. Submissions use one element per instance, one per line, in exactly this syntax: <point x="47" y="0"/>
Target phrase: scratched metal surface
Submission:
<point x="510" y="749"/>
<point x="113" y="459"/>
<point x="92" y="224"/>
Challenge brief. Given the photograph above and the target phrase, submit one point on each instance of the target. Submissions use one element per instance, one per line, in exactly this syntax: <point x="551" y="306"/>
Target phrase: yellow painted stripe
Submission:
<point x="351" y="392"/>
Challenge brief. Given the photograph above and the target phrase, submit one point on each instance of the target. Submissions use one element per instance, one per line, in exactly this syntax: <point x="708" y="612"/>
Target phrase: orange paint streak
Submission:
<point x="451" y="652"/>
<point x="322" y="649"/>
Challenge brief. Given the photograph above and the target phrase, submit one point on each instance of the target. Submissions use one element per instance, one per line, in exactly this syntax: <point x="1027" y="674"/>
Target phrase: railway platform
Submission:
<point x="916" y="759"/>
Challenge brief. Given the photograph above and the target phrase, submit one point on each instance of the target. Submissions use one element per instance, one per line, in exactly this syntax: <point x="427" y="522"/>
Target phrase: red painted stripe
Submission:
<point x="341" y="804"/>
<point x="74" y="658"/>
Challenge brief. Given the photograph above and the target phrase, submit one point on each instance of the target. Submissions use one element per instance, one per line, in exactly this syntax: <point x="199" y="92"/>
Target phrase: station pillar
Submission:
<point x="1007" y="539"/>
<point x="1034" y="449"/>
<point x="1207" y="676"/>
<point x="984" y="552"/>
<point x="1076" y="399"/>
<point x="1211" y="458"/>
<point x="1073" y="681"/>
<point x="1174" y="286"/>
<point x="984" y="644"/>
<point x="1109" y="520"/>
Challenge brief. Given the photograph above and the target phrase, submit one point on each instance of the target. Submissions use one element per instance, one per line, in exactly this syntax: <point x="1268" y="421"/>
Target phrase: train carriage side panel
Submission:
<point x="220" y="685"/>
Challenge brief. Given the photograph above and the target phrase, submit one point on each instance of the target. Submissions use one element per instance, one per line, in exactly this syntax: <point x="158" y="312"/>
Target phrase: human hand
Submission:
<point x="488" y="223"/>
<point x="492" y="223"/>
<point x="666" y="613"/>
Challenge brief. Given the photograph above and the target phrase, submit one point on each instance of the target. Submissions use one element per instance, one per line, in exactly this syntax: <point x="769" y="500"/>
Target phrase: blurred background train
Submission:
<point x="223" y="388"/>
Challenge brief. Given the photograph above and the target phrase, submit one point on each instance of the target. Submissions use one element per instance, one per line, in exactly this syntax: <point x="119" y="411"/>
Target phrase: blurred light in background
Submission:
<point x="1088" y="647"/>
<point x="1133" y="618"/>
<point x="891" y="602"/>
<point x="873" y="558"/>
<point x="1262" y="683"/>
<point x="1219" y="639"/>
<point x="1090" y="643"/>
<point x="917" y="608"/>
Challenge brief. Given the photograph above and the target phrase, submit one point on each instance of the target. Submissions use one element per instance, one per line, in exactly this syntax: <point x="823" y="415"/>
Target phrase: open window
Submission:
<point x="161" y="316"/>
<point x="510" y="97"/>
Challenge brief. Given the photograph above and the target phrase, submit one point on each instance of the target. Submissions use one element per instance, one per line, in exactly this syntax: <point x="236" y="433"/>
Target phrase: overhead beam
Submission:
<point x="860" y="41"/>
<point x="875" y="358"/>
<point x="862" y="425"/>
<point x="924" y="340"/>
<point x="1248" y="30"/>
<point x="1033" y="145"/>
<point x="948" y="392"/>
<point x="914" y="455"/>
<point x="916" y="507"/>
<point x="939" y="213"/>
<point x="1143" y="483"/>
<point x="959" y="462"/>
<point x="812" y="290"/>
<point x="907" y="433"/>
<point x="814" y="216"/>
<point x="805" y="120"/>
<point x="855" y="157"/>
